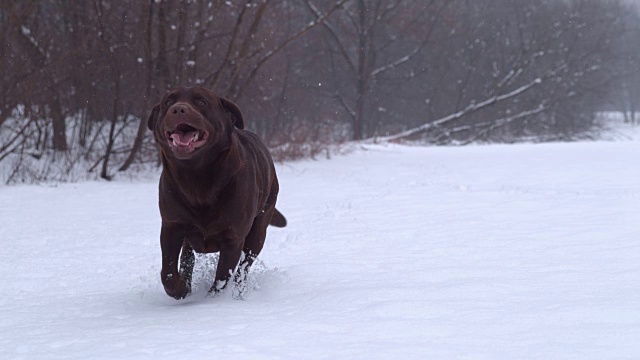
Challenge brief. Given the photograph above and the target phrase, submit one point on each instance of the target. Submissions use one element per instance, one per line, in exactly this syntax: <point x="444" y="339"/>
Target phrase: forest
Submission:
<point x="79" y="78"/>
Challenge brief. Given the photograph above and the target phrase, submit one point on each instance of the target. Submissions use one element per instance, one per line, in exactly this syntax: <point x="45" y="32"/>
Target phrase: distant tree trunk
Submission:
<point x="363" y="71"/>
<point x="161" y="70"/>
<point x="633" y="97"/>
<point x="243" y="52"/>
<point x="55" y="108"/>
<point x="357" y="116"/>
<point x="59" y="126"/>
<point x="114" y="120"/>
<point x="181" y="9"/>
<point x="142" y="125"/>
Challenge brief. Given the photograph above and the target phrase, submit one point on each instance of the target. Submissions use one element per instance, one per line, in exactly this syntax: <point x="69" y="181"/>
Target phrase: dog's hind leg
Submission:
<point x="187" y="260"/>
<point x="229" y="257"/>
<point x="253" y="244"/>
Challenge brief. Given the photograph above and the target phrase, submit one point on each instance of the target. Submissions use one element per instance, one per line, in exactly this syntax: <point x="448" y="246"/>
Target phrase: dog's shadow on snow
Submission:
<point x="262" y="280"/>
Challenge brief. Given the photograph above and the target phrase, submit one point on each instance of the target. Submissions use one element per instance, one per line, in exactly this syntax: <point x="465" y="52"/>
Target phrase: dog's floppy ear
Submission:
<point x="151" y="121"/>
<point x="229" y="106"/>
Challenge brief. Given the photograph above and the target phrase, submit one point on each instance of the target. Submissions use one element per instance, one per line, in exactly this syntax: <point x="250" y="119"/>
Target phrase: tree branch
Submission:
<point x="284" y="44"/>
<point x="416" y="50"/>
<point x="469" y="109"/>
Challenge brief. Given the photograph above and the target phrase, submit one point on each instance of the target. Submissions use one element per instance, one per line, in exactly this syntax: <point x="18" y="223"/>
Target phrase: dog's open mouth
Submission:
<point x="186" y="138"/>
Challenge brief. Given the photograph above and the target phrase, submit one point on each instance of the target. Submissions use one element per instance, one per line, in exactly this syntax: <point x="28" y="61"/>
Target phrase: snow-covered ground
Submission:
<point x="392" y="252"/>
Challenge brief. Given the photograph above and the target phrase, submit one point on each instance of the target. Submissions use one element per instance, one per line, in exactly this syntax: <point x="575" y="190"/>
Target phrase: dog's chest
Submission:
<point x="213" y="230"/>
<point x="211" y="224"/>
<point x="202" y="244"/>
<point x="207" y="220"/>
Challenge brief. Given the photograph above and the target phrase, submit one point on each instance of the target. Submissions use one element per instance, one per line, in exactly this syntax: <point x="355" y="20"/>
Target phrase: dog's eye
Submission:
<point x="201" y="102"/>
<point x="168" y="102"/>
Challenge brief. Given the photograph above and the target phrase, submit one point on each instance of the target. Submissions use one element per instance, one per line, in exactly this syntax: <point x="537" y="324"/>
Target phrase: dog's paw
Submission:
<point x="217" y="287"/>
<point x="240" y="290"/>
<point x="176" y="287"/>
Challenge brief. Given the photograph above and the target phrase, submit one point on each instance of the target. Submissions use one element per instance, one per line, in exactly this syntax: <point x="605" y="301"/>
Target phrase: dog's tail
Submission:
<point x="278" y="220"/>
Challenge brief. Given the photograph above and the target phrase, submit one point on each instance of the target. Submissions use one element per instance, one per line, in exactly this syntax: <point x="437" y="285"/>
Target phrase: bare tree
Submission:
<point x="371" y="38"/>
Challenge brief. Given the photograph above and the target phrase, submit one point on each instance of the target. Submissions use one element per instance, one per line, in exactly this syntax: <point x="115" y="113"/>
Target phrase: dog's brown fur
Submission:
<point x="218" y="187"/>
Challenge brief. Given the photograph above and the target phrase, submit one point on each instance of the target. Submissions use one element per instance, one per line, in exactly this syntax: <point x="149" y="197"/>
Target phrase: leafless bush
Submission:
<point x="28" y="161"/>
<point x="308" y="141"/>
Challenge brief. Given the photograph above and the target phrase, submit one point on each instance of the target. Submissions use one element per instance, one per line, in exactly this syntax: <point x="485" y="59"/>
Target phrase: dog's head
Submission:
<point x="189" y="120"/>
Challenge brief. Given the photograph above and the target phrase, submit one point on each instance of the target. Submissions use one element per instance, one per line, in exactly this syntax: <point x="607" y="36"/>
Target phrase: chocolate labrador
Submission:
<point x="218" y="188"/>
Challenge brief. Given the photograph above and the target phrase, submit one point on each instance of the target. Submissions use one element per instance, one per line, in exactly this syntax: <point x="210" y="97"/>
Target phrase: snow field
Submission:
<point x="479" y="252"/>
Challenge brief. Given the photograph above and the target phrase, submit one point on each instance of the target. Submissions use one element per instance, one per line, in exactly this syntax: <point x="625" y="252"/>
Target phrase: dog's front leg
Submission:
<point x="171" y="240"/>
<point x="229" y="257"/>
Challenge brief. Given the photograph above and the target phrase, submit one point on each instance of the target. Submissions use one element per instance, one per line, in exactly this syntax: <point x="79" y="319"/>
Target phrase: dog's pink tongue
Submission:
<point x="184" y="138"/>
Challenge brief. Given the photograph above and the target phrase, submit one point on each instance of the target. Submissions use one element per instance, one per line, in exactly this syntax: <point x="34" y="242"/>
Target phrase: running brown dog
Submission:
<point x="218" y="188"/>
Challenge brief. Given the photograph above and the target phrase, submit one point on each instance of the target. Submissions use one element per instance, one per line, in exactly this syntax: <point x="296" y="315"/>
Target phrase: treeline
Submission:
<point x="78" y="78"/>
